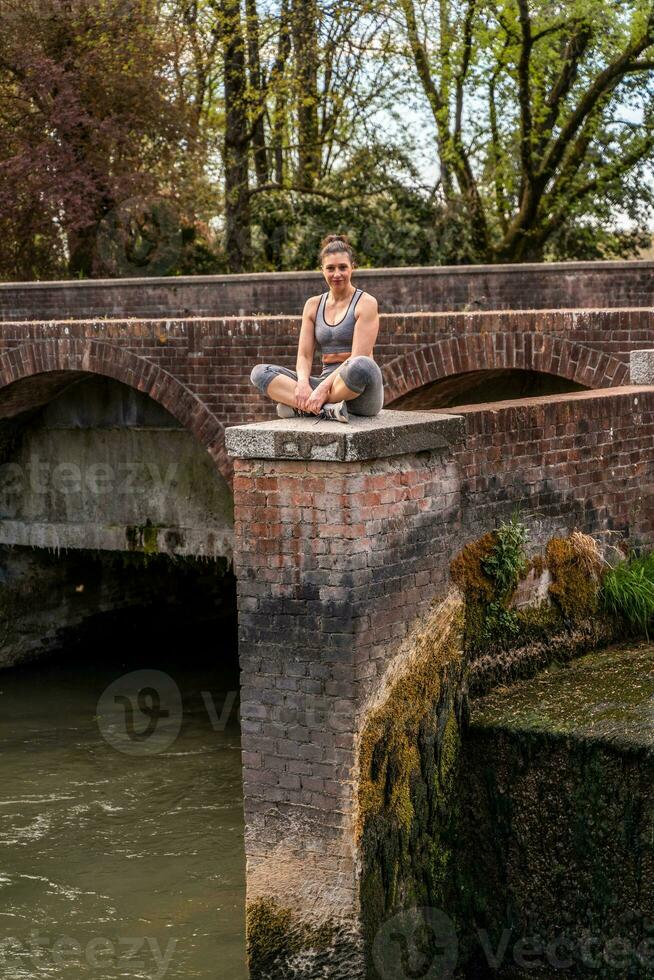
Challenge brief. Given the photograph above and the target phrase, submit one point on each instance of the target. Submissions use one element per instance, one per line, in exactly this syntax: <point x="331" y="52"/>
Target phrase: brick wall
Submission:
<point x="199" y="369"/>
<point x="554" y="285"/>
<point x="334" y="563"/>
<point x="583" y="460"/>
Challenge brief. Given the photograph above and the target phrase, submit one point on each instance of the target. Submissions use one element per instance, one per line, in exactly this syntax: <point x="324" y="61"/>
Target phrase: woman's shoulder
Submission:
<point x="367" y="302"/>
<point x="311" y="305"/>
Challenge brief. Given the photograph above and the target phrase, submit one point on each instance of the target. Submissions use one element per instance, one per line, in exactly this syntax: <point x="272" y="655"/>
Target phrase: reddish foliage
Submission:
<point x="88" y="120"/>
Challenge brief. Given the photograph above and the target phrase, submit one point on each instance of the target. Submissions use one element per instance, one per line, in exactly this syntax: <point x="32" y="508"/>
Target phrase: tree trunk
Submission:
<point x="279" y="126"/>
<point x="259" y="148"/>
<point x="304" y="28"/>
<point x="238" y="232"/>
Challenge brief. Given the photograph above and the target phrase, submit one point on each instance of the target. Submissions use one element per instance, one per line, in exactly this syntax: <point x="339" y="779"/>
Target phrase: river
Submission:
<point x="121" y="826"/>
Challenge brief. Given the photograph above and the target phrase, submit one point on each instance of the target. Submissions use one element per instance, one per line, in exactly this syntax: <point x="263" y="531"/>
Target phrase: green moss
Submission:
<point x="408" y="760"/>
<point x="143" y="538"/>
<point x="556" y="812"/>
<point x="488" y="572"/>
<point x="574" y="589"/>
<point x="467" y="569"/>
<point x="275" y="935"/>
<point x="603" y="695"/>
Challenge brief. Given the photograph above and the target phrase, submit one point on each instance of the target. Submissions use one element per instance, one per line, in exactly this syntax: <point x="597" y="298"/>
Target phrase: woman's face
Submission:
<point x="337" y="270"/>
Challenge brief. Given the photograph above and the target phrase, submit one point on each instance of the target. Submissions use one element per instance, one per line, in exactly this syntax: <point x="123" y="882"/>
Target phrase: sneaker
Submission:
<point x="288" y="412"/>
<point x="334" y="412"/>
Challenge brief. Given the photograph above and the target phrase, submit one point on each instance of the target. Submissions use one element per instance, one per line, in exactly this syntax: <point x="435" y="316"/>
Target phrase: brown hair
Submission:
<point x="335" y="243"/>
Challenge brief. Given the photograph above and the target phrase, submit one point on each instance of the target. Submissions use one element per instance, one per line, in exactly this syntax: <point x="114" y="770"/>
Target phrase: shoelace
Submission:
<point x="324" y="416"/>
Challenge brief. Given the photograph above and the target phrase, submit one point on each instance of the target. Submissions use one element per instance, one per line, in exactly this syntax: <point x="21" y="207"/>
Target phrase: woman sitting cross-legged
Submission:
<point x="344" y="323"/>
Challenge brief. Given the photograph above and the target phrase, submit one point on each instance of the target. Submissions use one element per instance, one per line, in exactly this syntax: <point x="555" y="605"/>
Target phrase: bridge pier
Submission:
<point x="340" y="542"/>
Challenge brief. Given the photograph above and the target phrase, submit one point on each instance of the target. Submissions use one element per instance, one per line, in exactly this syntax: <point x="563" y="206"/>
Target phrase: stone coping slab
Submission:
<point x="390" y="433"/>
<point x="404" y="272"/>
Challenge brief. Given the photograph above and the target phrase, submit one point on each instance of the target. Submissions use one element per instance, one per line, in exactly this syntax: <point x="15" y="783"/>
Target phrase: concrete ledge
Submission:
<point x="641" y="367"/>
<point x="174" y="282"/>
<point x="210" y="542"/>
<point x="387" y="434"/>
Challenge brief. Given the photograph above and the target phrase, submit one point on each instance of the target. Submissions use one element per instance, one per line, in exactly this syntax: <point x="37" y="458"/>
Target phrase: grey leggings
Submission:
<point x="360" y="374"/>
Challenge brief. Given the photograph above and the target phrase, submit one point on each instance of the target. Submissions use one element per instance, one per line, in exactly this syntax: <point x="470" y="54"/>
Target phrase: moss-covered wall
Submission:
<point x="556" y="833"/>
<point x="536" y="820"/>
<point x="522" y="614"/>
<point x="409" y="759"/>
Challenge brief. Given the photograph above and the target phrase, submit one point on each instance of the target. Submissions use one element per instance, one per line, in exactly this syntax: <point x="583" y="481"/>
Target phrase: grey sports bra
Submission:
<point x="336" y="339"/>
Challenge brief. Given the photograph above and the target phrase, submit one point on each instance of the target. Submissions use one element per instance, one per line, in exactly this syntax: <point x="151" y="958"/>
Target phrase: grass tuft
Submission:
<point x="628" y="592"/>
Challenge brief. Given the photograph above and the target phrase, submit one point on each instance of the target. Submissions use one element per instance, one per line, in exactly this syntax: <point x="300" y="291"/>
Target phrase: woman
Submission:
<point x="344" y="323"/>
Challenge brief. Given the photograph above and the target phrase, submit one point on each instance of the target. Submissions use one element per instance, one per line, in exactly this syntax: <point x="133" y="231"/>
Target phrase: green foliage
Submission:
<point x="557" y="103"/>
<point x="505" y="566"/>
<point x="628" y="592"/>
<point x="536" y="128"/>
<point x="488" y="571"/>
<point x="498" y="626"/>
<point x="371" y="196"/>
<point x="507" y="562"/>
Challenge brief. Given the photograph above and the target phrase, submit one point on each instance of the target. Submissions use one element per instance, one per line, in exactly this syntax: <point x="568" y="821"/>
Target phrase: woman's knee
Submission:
<point x="261" y="376"/>
<point x="361" y="372"/>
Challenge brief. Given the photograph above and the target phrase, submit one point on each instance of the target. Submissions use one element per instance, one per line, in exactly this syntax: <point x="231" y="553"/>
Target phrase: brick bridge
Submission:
<point x="342" y="536"/>
<point x="197" y="366"/>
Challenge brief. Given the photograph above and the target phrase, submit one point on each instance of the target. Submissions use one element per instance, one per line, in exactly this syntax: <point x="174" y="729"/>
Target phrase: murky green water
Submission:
<point x="124" y="859"/>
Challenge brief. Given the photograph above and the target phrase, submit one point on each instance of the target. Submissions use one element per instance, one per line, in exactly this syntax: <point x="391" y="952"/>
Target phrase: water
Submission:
<point x="123" y="859"/>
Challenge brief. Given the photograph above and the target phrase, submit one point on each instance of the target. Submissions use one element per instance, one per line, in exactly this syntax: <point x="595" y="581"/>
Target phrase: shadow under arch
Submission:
<point x="45" y="368"/>
<point x="543" y="354"/>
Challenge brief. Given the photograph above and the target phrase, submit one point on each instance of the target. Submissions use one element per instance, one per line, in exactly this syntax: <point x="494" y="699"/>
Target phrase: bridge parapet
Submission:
<point x="541" y="285"/>
<point x="198" y="369"/>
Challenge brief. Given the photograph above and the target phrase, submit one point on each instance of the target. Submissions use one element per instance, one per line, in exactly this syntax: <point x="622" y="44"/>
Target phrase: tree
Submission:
<point x="89" y="126"/>
<point x="543" y="113"/>
<point x="237" y="139"/>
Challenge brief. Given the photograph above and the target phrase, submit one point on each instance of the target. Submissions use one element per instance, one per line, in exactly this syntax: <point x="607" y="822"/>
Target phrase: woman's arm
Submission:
<point x="305" y="349"/>
<point x="366" y="326"/>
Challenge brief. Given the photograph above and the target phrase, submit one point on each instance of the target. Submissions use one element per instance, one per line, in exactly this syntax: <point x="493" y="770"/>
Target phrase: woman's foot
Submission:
<point x="288" y="412"/>
<point x="334" y="412"/>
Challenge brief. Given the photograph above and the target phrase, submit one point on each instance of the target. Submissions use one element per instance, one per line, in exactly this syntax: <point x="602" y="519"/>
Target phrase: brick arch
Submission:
<point x="62" y="356"/>
<point x="544" y="353"/>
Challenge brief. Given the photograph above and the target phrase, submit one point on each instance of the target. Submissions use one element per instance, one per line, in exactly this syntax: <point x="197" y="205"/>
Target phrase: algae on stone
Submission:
<point x="575" y="584"/>
<point x="556" y="831"/>
<point x="606" y="695"/>
<point x="408" y="758"/>
<point x="276" y="937"/>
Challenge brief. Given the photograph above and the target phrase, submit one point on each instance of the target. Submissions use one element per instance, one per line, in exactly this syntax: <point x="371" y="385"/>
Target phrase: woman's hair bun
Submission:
<point x="335" y="243"/>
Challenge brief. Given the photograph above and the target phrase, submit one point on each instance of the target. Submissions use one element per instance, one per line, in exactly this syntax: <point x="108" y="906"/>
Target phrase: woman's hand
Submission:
<point x="318" y="398"/>
<point x="303" y="392"/>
